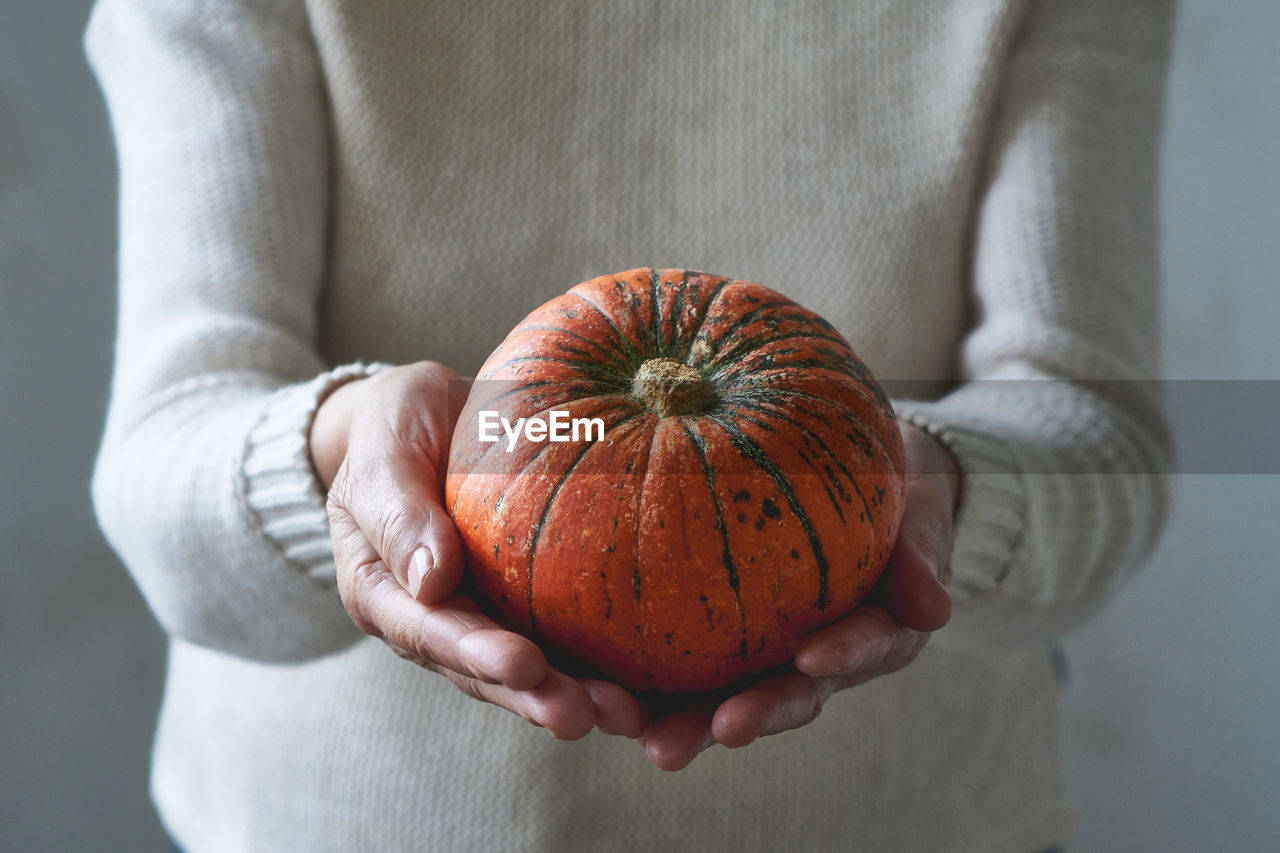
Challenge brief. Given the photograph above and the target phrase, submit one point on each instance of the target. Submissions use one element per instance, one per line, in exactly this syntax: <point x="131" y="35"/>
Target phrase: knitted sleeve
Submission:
<point x="1063" y="444"/>
<point x="203" y="484"/>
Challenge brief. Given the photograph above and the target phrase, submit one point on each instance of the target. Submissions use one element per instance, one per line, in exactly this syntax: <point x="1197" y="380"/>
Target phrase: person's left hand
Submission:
<point x="880" y="636"/>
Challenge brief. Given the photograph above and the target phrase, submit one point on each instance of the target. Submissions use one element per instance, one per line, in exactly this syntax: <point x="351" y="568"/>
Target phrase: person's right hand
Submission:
<point x="381" y="447"/>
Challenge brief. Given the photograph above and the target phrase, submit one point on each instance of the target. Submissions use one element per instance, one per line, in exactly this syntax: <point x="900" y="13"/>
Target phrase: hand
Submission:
<point x="381" y="447"/>
<point x="880" y="636"/>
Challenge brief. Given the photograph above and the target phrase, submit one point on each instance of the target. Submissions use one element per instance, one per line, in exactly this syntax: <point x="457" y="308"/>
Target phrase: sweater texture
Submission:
<point x="964" y="189"/>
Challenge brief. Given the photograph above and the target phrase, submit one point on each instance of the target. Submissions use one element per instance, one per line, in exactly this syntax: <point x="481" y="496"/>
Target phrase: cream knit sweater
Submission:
<point x="965" y="189"/>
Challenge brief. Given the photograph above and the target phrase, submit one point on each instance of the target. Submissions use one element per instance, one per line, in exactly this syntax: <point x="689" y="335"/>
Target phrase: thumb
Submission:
<point x="913" y="593"/>
<point x="921" y="564"/>
<point x="393" y="494"/>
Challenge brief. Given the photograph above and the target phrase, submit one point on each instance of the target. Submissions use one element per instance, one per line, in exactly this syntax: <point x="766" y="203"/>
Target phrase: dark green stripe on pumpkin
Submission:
<point x="646" y="464"/>
<point x="809" y="435"/>
<point x="589" y="366"/>
<point x="686" y="346"/>
<point x="726" y="552"/>
<point x="546" y="512"/>
<point x="823" y="476"/>
<point x="516" y="387"/>
<point x="866" y="506"/>
<point x="633" y="354"/>
<point x="773" y="361"/>
<point x="748" y="448"/>
<point x="752" y="316"/>
<point x="611" y="355"/>
<point x="655" y="307"/>
<point x="729" y="358"/>
<point x="859" y="423"/>
<point x="677" y="312"/>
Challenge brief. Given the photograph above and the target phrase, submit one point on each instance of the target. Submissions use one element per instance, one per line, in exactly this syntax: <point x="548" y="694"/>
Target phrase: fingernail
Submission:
<point x="420" y="565"/>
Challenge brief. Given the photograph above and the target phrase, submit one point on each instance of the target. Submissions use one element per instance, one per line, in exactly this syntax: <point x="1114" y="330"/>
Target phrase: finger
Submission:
<point x="456" y="639"/>
<point x="775" y="705"/>
<point x="617" y="711"/>
<point x="453" y="634"/>
<point x="674" y="740"/>
<point x="558" y="704"/>
<point x="866" y="643"/>
<point x="502" y="657"/>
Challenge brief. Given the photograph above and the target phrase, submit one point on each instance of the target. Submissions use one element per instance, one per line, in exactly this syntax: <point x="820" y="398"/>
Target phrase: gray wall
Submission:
<point x="80" y="658"/>
<point x="1171" y="714"/>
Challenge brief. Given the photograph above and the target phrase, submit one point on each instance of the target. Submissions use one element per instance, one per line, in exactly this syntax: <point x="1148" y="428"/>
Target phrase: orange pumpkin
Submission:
<point x="747" y="488"/>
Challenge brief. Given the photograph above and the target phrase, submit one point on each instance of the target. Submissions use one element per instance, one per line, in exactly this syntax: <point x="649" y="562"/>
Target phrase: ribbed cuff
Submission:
<point x="991" y="514"/>
<point x="281" y="488"/>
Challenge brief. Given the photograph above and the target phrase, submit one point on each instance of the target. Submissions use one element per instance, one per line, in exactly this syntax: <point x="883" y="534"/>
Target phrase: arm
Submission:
<point x="203" y="483"/>
<point x="1064" y="490"/>
<point x="1060" y="480"/>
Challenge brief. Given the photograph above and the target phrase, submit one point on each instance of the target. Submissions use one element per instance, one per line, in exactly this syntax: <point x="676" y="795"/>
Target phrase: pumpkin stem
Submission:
<point x="671" y="387"/>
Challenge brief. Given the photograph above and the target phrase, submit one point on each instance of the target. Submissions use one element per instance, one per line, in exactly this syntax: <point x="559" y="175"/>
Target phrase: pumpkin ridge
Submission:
<point x="757" y="405"/>
<point x="750" y="317"/>
<point x="770" y="363"/>
<point x="726" y="554"/>
<point x="592" y="370"/>
<point x="572" y="351"/>
<point x="807" y="434"/>
<point x="846" y="415"/>
<point x="605" y="351"/>
<point x="634" y="355"/>
<point x="636" y="580"/>
<point x="677" y="309"/>
<point x="687" y="346"/>
<point x="546" y="512"/>
<point x="853" y="481"/>
<point x="655" y="308"/>
<point x="752" y="451"/>
<point x="729" y="357"/>
<point x="865" y="505"/>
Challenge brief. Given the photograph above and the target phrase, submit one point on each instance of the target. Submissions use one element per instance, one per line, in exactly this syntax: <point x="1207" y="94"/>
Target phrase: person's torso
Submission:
<point x="488" y="156"/>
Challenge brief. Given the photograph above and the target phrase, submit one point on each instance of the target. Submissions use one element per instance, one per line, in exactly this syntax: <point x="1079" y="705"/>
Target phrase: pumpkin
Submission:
<point x="747" y="488"/>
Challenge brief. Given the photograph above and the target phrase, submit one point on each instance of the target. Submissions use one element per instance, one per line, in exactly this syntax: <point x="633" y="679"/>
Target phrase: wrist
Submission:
<point x="927" y="453"/>
<point x="955" y="480"/>
<point x="330" y="430"/>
